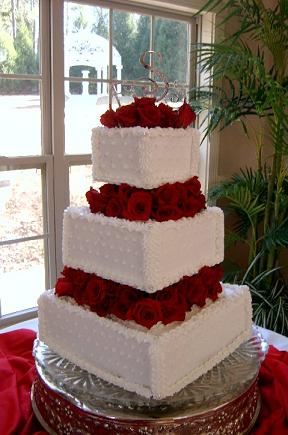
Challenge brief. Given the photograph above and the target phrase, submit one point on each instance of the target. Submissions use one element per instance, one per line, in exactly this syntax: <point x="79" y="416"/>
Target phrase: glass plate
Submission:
<point x="221" y="384"/>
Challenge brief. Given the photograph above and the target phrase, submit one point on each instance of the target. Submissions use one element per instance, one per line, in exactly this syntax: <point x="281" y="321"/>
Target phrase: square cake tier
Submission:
<point x="147" y="255"/>
<point x="153" y="363"/>
<point x="144" y="157"/>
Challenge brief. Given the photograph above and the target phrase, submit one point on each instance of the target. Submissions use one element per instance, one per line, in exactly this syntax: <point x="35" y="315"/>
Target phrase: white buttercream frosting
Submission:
<point x="157" y="362"/>
<point x="147" y="255"/>
<point x="144" y="157"/>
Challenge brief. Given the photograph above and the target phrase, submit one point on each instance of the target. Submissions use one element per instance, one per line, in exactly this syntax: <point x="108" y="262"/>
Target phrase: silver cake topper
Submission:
<point x="148" y="90"/>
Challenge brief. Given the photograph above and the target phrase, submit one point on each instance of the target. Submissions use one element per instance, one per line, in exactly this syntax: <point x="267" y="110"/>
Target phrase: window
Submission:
<point x="26" y="230"/>
<point x="55" y="81"/>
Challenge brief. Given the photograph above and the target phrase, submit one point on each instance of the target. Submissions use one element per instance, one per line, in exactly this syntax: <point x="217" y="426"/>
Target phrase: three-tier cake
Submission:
<point x="140" y="303"/>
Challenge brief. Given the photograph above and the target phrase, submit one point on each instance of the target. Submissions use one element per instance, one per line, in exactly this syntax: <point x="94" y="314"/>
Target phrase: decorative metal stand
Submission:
<point x="69" y="400"/>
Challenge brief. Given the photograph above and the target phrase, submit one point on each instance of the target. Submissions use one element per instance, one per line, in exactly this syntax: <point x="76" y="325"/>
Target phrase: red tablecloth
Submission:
<point x="17" y="373"/>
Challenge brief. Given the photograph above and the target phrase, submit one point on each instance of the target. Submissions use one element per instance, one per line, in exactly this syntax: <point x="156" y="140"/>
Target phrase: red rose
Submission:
<point x="147" y="312"/>
<point x="168" y="295"/>
<point x="214" y="291"/>
<point x="192" y="187"/>
<point x="96" y="201"/>
<point x="125" y="191"/>
<point x="79" y="295"/>
<point x="96" y="295"/>
<point x="167" y="212"/>
<point x="113" y="208"/>
<point x="193" y="206"/>
<point x="196" y="292"/>
<point x="108" y="189"/>
<point x="149" y="116"/>
<point x="126" y="298"/>
<point x="127" y="116"/>
<point x="167" y="116"/>
<point x="211" y="275"/>
<point x="173" y="305"/>
<point x="78" y="277"/>
<point x="67" y="272"/>
<point x="139" y="206"/>
<point x="95" y="291"/>
<point x="109" y="119"/>
<point x="167" y="194"/>
<point x="217" y="272"/>
<point x="144" y="101"/>
<point x="64" y="287"/>
<point x="113" y="289"/>
<point x="148" y="113"/>
<point x="102" y="308"/>
<point x="185" y="116"/>
<point x="174" y="314"/>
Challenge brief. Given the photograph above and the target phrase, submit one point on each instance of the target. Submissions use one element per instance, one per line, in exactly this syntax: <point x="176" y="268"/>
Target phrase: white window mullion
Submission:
<point x="47" y="174"/>
<point x="208" y="168"/>
<point x="21" y="76"/>
<point x="61" y="168"/>
<point x="49" y="223"/>
<point x="171" y="10"/>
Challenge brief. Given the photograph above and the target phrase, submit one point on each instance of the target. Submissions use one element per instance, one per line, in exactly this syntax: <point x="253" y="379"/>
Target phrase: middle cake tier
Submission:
<point x="147" y="255"/>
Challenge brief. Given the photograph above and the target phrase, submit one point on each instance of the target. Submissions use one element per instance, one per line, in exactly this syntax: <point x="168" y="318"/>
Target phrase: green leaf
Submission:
<point x="277" y="236"/>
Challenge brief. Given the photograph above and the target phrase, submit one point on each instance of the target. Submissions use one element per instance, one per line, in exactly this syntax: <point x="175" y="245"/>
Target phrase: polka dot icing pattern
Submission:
<point x="146" y="255"/>
<point x="158" y="362"/>
<point x="144" y="157"/>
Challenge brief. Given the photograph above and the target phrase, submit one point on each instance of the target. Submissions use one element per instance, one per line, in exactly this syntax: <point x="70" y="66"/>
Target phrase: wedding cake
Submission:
<point x="140" y="303"/>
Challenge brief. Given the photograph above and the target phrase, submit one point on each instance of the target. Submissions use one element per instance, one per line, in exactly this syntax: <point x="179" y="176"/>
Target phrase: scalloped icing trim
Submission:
<point x="239" y="295"/>
<point x="145" y="131"/>
<point x="131" y="163"/>
<point x="149" y="276"/>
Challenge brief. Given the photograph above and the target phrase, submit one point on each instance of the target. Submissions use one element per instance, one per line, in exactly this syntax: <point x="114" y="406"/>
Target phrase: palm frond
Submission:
<point x="277" y="236"/>
<point x="270" y="306"/>
<point x="231" y="238"/>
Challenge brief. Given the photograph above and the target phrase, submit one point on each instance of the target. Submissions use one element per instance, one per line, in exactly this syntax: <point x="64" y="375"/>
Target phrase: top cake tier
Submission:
<point x="144" y="157"/>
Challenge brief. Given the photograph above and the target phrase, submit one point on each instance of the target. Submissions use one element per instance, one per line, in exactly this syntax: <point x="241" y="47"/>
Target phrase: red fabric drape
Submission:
<point x="17" y="373"/>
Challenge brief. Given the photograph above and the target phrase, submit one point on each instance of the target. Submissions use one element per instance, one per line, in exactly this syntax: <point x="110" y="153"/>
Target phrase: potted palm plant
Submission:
<point x="250" y="66"/>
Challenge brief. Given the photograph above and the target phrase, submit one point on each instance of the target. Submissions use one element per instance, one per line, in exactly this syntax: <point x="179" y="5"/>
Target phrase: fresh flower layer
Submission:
<point x="169" y="201"/>
<point x="144" y="112"/>
<point x="170" y="304"/>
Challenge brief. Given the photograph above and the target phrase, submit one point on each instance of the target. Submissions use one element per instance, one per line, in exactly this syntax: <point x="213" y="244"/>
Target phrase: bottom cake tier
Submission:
<point x="153" y="363"/>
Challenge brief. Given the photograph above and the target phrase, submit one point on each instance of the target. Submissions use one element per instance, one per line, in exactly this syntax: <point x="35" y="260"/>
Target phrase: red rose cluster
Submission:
<point x="144" y="112"/>
<point x="169" y="201"/>
<point x="170" y="304"/>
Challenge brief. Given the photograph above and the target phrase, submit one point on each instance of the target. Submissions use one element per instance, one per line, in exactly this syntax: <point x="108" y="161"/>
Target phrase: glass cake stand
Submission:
<point x="225" y="400"/>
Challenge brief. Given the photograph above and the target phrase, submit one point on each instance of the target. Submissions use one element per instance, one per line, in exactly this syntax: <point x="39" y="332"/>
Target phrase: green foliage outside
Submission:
<point x="252" y="65"/>
<point x="17" y="45"/>
<point x="171" y="41"/>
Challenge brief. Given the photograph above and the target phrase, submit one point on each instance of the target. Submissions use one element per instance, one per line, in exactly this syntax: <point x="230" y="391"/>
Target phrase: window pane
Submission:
<point x="171" y="40"/>
<point x="82" y="113"/>
<point x="80" y="180"/>
<point x="22" y="275"/>
<point x="21" y="213"/>
<point x="86" y="44"/>
<point x="19" y="37"/>
<point x="131" y="37"/>
<point x="86" y="54"/>
<point x="20" y="114"/>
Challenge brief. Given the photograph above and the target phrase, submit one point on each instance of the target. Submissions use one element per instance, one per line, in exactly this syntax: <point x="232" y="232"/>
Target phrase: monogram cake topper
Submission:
<point x="148" y="89"/>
